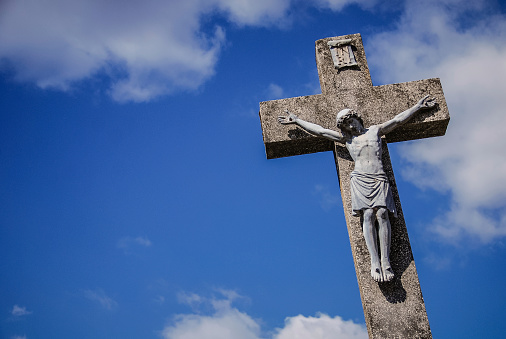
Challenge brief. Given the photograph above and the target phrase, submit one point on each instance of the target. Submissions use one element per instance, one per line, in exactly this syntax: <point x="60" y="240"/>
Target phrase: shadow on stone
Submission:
<point x="298" y="134"/>
<point x="401" y="255"/>
<point x="393" y="291"/>
<point x="343" y="153"/>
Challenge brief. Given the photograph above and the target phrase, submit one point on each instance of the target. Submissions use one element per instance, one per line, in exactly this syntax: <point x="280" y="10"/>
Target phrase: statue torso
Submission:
<point x="365" y="150"/>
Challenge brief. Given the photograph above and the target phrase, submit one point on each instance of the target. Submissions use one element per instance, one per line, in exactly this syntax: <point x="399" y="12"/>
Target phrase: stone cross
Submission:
<point x="393" y="309"/>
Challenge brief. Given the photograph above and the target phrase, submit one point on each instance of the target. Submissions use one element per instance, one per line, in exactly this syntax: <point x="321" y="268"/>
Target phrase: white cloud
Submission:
<point x="145" y="48"/>
<point x="469" y="162"/>
<point x="320" y="327"/>
<point x="224" y="322"/>
<point x="101" y="298"/>
<point x="227" y="322"/>
<point x="19" y="311"/>
<point x="127" y="242"/>
<point x="19" y="337"/>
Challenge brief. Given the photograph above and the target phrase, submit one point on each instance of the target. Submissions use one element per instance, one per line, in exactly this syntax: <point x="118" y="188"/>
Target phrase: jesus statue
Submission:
<point x="371" y="195"/>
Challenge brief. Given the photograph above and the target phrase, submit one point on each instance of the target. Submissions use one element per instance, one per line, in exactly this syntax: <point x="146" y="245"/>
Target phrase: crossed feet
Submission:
<point x="383" y="272"/>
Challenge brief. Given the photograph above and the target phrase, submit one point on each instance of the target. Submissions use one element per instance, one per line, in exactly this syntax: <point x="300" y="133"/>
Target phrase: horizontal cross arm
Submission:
<point x="287" y="140"/>
<point x="376" y="104"/>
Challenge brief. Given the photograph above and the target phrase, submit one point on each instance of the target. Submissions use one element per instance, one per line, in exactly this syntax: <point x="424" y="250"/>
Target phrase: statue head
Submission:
<point x="347" y="113"/>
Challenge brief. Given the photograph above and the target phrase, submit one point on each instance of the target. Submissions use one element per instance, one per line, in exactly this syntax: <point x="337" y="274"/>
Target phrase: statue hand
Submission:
<point x="290" y="119"/>
<point x="427" y="102"/>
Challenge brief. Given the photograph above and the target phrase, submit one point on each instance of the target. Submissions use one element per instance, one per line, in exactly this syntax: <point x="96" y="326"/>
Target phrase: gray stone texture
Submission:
<point x="392" y="309"/>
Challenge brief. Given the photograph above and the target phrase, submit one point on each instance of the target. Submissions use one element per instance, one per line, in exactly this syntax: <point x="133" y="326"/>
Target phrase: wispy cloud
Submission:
<point x="191" y="299"/>
<point x="274" y="91"/>
<point x="224" y="321"/>
<point x="19" y="337"/>
<point x="328" y="199"/>
<point x="337" y="5"/>
<point x="222" y="300"/>
<point x="101" y="298"/>
<point x="19" y="311"/>
<point x="126" y="243"/>
<point x="159" y="299"/>
<point x="469" y="161"/>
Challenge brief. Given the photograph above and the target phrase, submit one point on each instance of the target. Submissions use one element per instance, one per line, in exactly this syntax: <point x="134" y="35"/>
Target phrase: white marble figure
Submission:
<point x="370" y="189"/>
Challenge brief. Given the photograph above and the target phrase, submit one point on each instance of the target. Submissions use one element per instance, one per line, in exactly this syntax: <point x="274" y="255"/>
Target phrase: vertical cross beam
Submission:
<point x="392" y="309"/>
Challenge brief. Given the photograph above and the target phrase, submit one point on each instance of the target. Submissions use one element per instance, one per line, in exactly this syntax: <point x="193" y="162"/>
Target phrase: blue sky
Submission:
<point x="137" y="199"/>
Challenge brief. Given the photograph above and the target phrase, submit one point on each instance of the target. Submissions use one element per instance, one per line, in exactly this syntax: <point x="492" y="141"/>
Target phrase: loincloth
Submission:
<point x="370" y="191"/>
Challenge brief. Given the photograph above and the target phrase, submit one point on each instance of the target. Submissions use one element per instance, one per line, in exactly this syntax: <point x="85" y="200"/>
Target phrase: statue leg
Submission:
<point x="370" y="237"/>
<point x="385" y="231"/>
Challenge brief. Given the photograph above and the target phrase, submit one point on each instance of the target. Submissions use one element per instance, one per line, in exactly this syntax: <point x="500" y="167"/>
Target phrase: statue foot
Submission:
<point x="376" y="273"/>
<point x="388" y="273"/>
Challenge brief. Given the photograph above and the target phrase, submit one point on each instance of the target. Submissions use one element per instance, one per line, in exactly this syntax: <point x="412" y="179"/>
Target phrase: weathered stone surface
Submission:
<point x="392" y="309"/>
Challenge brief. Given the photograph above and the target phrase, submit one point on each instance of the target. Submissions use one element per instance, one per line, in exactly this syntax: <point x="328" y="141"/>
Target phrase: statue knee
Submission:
<point x="382" y="213"/>
<point x="368" y="214"/>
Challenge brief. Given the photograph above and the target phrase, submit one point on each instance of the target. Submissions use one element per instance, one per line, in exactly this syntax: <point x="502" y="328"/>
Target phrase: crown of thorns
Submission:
<point x="347" y="113"/>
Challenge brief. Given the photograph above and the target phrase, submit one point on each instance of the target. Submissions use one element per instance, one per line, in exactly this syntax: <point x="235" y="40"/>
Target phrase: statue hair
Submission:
<point x="347" y="113"/>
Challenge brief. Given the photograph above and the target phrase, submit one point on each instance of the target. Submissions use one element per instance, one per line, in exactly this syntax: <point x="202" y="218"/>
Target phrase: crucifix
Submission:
<point x="368" y="117"/>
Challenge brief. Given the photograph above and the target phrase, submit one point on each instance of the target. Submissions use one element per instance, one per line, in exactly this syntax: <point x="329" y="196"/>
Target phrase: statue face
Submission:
<point x="353" y="126"/>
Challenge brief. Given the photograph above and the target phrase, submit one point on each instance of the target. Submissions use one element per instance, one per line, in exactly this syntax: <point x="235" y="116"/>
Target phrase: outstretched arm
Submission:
<point x="311" y="128"/>
<point x="403" y="117"/>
